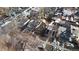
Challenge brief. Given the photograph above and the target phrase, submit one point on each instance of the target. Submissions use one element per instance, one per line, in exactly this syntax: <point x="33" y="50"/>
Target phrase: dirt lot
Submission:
<point x="17" y="40"/>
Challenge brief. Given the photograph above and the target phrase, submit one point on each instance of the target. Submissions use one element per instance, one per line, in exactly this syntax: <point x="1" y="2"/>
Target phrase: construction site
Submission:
<point x="39" y="28"/>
